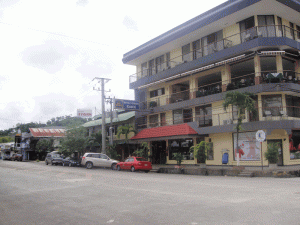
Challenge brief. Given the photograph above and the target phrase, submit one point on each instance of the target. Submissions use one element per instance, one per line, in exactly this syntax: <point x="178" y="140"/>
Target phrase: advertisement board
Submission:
<point x="250" y="146"/>
<point x="84" y="113"/>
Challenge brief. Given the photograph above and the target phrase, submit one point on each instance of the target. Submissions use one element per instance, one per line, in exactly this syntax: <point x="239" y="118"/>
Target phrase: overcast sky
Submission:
<point x="51" y="50"/>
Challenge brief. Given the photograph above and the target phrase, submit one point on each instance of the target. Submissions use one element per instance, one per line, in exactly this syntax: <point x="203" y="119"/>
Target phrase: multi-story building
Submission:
<point x="183" y="75"/>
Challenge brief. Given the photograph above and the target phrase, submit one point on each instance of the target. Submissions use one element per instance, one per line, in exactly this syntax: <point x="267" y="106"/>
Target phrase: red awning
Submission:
<point x="166" y="131"/>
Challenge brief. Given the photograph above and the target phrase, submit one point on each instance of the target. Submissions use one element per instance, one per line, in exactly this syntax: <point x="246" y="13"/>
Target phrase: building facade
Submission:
<point x="183" y="75"/>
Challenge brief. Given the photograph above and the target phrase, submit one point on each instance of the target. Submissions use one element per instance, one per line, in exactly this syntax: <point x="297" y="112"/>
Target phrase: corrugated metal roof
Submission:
<point x="44" y="132"/>
<point x="121" y="117"/>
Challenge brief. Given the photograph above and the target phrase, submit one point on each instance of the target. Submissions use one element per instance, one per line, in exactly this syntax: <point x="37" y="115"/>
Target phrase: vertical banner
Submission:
<point x="249" y="144"/>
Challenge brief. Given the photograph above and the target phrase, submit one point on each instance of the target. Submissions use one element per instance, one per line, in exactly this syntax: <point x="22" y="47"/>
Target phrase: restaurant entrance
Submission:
<point x="158" y="152"/>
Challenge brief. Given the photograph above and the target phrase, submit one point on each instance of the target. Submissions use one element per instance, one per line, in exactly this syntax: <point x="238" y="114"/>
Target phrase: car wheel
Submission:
<point x="146" y="171"/>
<point x="89" y="165"/>
<point x="46" y="162"/>
<point x="70" y="164"/>
<point x="118" y="168"/>
<point x="113" y="166"/>
<point x="132" y="169"/>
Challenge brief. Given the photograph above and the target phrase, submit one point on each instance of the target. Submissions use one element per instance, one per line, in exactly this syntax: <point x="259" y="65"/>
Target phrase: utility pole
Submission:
<point x="110" y="101"/>
<point x="102" y="82"/>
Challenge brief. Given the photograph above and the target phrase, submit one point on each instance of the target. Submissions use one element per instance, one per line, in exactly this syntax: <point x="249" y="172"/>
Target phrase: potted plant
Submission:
<point x="272" y="154"/>
<point x="200" y="152"/>
<point x="178" y="157"/>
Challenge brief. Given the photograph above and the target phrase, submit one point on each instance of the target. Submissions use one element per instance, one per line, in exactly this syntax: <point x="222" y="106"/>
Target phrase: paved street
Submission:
<point x="33" y="193"/>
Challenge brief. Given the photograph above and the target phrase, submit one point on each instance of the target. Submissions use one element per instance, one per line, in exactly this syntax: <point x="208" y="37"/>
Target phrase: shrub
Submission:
<point x="200" y="151"/>
<point x="272" y="152"/>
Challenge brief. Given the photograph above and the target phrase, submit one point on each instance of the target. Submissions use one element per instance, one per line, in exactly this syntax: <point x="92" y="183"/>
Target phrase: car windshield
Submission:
<point x="56" y="156"/>
<point x="140" y="159"/>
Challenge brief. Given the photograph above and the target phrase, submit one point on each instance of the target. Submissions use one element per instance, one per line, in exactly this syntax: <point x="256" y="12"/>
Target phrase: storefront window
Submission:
<point x="272" y="105"/>
<point x="181" y="146"/>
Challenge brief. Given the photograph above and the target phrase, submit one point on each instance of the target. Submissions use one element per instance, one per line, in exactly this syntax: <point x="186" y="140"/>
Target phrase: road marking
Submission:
<point x="110" y="221"/>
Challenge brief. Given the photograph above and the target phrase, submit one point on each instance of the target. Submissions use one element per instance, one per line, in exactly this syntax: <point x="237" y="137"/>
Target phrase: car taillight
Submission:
<point x="83" y="157"/>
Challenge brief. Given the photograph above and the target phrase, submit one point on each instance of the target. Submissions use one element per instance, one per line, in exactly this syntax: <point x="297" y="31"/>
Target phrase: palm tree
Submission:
<point x="243" y="101"/>
<point x="125" y="130"/>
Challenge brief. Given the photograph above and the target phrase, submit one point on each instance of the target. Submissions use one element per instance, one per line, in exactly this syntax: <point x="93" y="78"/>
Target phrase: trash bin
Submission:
<point x="225" y="158"/>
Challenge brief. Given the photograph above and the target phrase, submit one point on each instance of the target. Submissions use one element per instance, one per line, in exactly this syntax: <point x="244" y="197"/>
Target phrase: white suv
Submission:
<point x="91" y="159"/>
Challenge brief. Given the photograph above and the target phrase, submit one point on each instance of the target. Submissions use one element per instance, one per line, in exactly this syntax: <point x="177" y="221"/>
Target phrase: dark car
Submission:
<point x="69" y="161"/>
<point x="54" y="158"/>
<point x="17" y="157"/>
<point x="6" y="157"/>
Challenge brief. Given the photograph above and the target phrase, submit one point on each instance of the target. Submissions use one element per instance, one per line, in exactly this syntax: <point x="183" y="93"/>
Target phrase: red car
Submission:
<point x="135" y="163"/>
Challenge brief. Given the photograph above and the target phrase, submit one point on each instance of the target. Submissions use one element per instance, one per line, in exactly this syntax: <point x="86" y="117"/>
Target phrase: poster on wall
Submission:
<point x="250" y="146"/>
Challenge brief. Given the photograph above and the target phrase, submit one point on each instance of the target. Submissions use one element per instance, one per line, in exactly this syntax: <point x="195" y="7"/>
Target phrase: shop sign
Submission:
<point x="126" y="104"/>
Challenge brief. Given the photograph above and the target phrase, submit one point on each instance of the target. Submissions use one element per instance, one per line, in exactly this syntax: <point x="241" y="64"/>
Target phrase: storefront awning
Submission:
<point x="166" y="131"/>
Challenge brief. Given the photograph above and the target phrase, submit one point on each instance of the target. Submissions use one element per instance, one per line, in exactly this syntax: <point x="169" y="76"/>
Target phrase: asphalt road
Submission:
<point x="33" y="193"/>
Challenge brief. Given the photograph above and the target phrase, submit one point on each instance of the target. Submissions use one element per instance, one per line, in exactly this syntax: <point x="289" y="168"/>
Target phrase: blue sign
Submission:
<point x="126" y="104"/>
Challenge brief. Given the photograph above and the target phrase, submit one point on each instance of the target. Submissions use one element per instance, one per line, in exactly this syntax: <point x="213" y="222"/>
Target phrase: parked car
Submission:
<point x="17" y="157"/>
<point x="91" y="159"/>
<point x="54" y="158"/>
<point x="6" y="157"/>
<point x="134" y="164"/>
<point x="69" y="161"/>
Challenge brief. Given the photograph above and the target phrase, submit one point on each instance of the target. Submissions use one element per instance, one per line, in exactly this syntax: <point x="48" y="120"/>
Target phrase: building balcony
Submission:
<point x="214" y="88"/>
<point x="202" y="55"/>
<point x="229" y="118"/>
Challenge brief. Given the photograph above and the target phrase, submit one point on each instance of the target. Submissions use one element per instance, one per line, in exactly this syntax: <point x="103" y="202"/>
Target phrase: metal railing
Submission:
<point x="230" y="117"/>
<point x="233" y="40"/>
<point x="235" y="83"/>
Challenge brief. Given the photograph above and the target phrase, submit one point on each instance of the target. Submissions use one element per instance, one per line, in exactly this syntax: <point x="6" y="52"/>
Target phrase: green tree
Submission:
<point x="96" y="140"/>
<point x="44" y="146"/>
<point x="143" y="151"/>
<point x="112" y="151"/>
<point x="125" y="130"/>
<point x="75" y="140"/>
<point x="242" y="101"/>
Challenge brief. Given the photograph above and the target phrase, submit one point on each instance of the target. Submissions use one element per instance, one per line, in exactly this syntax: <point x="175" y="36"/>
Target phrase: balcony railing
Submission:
<point x="235" y="83"/>
<point x="233" y="40"/>
<point x="230" y="117"/>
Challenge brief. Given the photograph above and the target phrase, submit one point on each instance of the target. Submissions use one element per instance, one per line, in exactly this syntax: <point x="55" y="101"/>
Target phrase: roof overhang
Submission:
<point x="211" y="21"/>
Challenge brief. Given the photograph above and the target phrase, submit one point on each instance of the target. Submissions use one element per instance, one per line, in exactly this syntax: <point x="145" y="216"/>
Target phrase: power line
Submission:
<point x="62" y="35"/>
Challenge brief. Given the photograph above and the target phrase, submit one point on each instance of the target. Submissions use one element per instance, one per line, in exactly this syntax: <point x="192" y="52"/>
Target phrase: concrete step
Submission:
<point x="246" y="174"/>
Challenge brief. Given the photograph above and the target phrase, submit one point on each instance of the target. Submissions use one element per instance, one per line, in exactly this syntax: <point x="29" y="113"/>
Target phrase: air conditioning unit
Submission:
<point x="227" y="122"/>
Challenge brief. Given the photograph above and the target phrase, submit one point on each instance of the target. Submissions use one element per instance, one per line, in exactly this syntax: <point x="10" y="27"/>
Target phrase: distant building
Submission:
<point x="26" y="142"/>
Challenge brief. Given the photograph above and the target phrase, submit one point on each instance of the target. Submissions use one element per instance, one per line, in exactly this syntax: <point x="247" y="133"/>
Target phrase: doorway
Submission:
<point x="158" y="152"/>
<point x="280" y="155"/>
